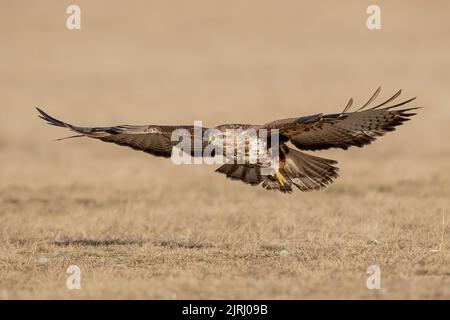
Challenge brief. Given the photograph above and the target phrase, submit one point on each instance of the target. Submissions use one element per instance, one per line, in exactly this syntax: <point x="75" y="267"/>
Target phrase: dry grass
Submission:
<point x="140" y="227"/>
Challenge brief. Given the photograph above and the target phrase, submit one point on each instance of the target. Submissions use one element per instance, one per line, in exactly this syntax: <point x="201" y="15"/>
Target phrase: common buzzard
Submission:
<point x="304" y="171"/>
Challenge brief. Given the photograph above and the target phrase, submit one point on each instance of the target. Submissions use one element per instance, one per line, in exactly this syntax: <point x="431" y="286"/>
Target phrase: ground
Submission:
<point x="141" y="227"/>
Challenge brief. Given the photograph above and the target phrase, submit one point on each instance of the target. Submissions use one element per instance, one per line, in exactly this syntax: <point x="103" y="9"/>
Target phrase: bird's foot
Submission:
<point x="280" y="178"/>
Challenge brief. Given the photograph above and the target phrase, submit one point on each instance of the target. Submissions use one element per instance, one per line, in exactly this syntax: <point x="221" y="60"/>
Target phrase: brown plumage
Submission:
<point x="315" y="132"/>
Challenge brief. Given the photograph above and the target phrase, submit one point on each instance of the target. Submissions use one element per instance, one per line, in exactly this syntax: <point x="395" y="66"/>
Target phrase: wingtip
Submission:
<point x="50" y="120"/>
<point x="40" y="111"/>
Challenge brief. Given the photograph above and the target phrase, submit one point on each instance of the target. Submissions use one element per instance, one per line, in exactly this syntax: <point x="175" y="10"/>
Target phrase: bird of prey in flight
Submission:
<point x="295" y="168"/>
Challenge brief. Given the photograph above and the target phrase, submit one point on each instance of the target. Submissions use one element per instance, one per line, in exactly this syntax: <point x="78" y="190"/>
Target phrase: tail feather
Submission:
<point x="308" y="172"/>
<point x="304" y="171"/>
<point x="246" y="173"/>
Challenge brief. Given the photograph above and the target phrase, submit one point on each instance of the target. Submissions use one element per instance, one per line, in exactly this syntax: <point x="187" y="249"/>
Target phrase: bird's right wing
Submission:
<point x="153" y="139"/>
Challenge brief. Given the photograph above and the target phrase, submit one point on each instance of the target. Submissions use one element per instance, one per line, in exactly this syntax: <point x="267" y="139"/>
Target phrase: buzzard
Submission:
<point x="295" y="168"/>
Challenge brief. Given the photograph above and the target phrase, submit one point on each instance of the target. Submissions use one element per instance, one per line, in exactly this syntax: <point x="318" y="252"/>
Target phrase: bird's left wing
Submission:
<point x="153" y="139"/>
<point x="345" y="129"/>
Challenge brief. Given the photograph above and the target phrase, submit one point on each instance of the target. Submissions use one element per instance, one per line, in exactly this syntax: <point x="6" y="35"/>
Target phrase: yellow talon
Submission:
<point x="282" y="181"/>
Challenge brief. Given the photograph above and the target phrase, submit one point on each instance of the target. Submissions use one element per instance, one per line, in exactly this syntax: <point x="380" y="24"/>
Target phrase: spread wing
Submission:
<point x="152" y="139"/>
<point x="345" y="129"/>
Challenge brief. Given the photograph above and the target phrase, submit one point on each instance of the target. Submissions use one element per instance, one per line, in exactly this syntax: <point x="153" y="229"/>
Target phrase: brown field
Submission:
<point x="140" y="227"/>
